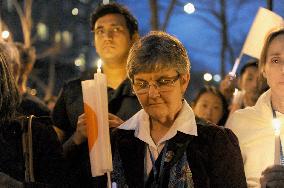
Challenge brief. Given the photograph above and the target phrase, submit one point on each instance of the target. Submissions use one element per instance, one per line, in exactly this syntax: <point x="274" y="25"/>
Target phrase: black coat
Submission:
<point x="47" y="153"/>
<point x="214" y="158"/>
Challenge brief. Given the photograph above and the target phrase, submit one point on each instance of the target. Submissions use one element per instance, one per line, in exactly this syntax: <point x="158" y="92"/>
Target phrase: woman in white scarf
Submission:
<point x="253" y="125"/>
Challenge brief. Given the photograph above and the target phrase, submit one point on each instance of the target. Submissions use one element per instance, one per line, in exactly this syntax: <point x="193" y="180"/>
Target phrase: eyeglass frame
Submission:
<point x="158" y="84"/>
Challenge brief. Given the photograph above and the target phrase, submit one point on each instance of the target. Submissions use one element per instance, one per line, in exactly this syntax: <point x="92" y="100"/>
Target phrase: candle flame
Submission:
<point x="235" y="92"/>
<point x="99" y="65"/>
<point x="276" y="126"/>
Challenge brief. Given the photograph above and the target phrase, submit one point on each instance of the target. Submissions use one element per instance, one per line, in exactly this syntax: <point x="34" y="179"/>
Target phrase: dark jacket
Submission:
<point x="47" y="153"/>
<point x="121" y="102"/>
<point x="214" y="158"/>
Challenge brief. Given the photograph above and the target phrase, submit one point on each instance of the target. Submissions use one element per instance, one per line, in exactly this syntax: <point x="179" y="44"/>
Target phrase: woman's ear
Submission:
<point x="135" y="37"/>
<point x="263" y="73"/>
<point x="184" y="81"/>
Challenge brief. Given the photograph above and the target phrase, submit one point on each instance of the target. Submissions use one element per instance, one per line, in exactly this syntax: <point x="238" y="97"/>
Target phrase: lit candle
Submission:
<point x="96" y="110"/>
<point x="99" y="65"/>
<point x="276" y="126"/>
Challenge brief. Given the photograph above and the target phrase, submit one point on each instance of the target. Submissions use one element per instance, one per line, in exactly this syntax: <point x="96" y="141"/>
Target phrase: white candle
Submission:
<point x="99" y="65"/>
<point x="276" y="125"/>
<point x="235" y="67"/>
<point x="96" y="110"/>
<point x="101" y="102"/>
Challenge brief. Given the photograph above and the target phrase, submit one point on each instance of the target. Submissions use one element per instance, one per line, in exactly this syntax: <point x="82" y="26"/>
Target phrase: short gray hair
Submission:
<point x="157" y="50"/>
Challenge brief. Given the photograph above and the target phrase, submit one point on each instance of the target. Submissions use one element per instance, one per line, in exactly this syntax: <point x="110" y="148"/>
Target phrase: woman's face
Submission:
<point x="209" y="107"/>
<point x="162" y="100"/>
<point x="274" y="67"/>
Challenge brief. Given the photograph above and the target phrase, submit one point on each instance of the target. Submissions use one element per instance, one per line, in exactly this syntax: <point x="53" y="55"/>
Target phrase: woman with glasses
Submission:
<point x="163" y="145"/>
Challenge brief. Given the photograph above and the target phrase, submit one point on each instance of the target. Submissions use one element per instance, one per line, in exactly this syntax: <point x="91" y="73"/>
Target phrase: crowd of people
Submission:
<point x="223" y="138"/>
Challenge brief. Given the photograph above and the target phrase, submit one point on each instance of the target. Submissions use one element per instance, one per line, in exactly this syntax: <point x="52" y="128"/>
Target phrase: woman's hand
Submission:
<point x="272" y="177"/>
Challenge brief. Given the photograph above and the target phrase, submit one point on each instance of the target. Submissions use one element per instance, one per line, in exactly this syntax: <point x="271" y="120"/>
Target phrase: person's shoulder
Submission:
<point x="72" y="87"/>
<point x="119" y="134"/>
<point x="72" y="83"/>
<point x="209" y="131"/>
<point x="204" y="126"/>
<point x="31" y="104"/>
<point x="241" y="118"/>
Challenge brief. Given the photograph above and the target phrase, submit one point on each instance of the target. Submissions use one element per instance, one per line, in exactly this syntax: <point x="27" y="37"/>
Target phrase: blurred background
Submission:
<point x="213" y="31"/>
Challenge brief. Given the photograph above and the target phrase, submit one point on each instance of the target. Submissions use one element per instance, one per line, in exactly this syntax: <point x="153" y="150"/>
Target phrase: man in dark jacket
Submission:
<point x="115" y="30"/>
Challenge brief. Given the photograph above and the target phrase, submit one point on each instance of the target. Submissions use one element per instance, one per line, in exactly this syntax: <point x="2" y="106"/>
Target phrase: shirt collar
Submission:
<point x="185" y="123"/>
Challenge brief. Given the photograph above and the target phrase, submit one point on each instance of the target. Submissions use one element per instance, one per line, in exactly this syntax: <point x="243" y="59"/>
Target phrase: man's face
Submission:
<point x="111" y="37"/>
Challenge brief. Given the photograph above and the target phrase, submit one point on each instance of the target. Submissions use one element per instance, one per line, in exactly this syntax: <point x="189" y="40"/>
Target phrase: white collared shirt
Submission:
<point x="185" y="123"/>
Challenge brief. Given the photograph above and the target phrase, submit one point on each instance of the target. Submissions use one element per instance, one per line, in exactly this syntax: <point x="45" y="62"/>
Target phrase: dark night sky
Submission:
<point x="201" y="40"/>
<point x="199" y="37"/>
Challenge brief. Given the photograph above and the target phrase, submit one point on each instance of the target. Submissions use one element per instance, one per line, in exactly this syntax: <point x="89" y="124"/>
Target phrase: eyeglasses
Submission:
<point x="162" y="84"/>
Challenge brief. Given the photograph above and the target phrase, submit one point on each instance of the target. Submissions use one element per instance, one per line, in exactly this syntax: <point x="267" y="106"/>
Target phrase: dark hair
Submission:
<point x="9" y="95"/>
<point x="115" y="8"/>
<point x="250" y="63"/>
<point x="216" y="92"/>
<point x="157" y="45"/>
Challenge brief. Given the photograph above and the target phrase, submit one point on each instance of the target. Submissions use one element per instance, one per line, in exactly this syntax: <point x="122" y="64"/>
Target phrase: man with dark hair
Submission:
<point x="115" y="30"/>
<point x="250" y="87"/>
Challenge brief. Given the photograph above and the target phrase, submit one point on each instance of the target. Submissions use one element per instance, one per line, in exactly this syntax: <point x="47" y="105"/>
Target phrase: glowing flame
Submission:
<point x="276" y="125"/>
<point x="99" y="65"/>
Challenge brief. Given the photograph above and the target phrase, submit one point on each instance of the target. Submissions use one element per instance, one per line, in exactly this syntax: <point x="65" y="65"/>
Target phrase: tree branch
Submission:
<point x="168" y="15"/>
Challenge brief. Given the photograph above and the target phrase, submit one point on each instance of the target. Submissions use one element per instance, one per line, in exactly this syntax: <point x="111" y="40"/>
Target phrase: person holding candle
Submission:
<point x="115" y="30"/>
<point x="249" y="84"/>
<point x="164" y="145"/>
<point x="254" y="126"/>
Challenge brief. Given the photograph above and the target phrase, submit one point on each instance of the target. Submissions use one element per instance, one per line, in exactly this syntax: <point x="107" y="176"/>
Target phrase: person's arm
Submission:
<point x="227" y="87"/>
<point x="72" y="145"/>
<point x="226" y="165"/>
<point x="49" y="165"/>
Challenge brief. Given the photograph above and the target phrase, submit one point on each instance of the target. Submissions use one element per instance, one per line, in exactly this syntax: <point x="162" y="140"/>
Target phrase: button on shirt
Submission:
<point x="185" y="123"/>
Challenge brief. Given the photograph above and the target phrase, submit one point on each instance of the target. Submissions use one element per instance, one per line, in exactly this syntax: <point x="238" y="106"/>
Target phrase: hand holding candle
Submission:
<point x="96" y="109"/>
